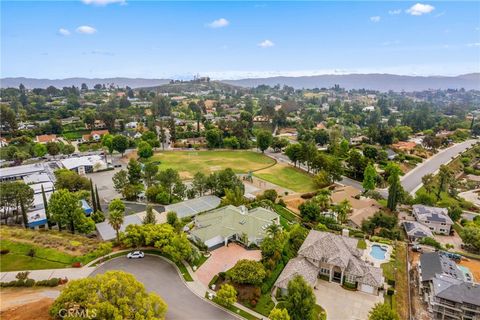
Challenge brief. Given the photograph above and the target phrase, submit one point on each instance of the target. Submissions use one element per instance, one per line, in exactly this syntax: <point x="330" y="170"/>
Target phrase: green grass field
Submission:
<point x="287" y="177"/>
<point x="45" y="258"/>
<point x="190" y="162"/>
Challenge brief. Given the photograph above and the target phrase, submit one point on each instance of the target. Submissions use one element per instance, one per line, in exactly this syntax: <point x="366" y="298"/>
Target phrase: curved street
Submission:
<point x="162" y="278"/>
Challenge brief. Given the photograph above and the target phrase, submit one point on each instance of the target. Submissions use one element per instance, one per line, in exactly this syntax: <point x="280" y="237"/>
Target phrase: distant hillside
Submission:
<point x="381" y="82"/>
<point x="183" y="87"/>
<point x="31" y="83"/>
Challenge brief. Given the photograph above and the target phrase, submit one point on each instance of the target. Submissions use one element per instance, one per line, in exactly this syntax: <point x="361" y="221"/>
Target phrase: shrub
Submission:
<point x="31" y="253"/>
<point x="247" y="271"/>
<point x="19" y="283"/>
<point x="268" y="282"/>
<point x="391" y="282"/>
<point x="4" y="251"/>
<point x="29" y="283"/>
<point x="350" y="286"/>
<point x="77" y="264"/>
<point x="53" y="282"/>
<point x="390" y="291"/>
<point x="282" y="203"/>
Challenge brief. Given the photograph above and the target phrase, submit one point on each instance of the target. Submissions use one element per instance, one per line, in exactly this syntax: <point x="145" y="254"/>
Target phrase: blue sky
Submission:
<point x="153" y="39"/>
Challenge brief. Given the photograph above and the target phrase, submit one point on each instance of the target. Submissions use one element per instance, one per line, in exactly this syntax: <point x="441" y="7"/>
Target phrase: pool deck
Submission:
<point x="376" y="262"/>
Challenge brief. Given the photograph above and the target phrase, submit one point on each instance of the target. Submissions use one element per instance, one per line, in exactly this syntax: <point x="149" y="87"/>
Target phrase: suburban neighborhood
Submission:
<point x="292" y="195"/>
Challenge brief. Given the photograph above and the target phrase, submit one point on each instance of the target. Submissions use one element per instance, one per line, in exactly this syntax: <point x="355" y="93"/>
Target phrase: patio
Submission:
<point x="224" y="258"/>
<point x="342" y="304"/>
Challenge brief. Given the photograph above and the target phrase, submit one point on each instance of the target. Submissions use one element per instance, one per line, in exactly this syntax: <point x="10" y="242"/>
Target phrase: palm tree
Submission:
<point x="116" y="215"/>
<point x="343" y="209"/>
<point x="323" y="199"/>
<point x="273" y="230"/>
<point x="115" y="219"/>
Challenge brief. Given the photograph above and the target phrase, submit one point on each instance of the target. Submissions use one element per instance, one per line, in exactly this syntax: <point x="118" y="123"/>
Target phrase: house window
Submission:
<point x="432" y="228"/>
<point x="443" y="230"/>
<point x="325" y="271"/>
<point x="443" y="224"/>
<point x="350" y="278"/>
<point x="426" y="221"/>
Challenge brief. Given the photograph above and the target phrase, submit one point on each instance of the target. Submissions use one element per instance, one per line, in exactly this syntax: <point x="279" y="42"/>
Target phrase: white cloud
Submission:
<point x="266" y="44"/>
<point x="419" y="8"/>
<point x="86" y="30"/>
<point x="474" y="44"/>
<point x="375" y="19"/>
<point x="395" y="12"/>
<point x="104" y="2"/>
<point x="219" y="23"/>
<point x="63" y="32"/>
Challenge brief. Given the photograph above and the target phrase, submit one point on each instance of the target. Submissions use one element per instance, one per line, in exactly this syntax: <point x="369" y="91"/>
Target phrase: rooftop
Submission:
<point x="192" y="207"/>
<point x="433" y="214"/>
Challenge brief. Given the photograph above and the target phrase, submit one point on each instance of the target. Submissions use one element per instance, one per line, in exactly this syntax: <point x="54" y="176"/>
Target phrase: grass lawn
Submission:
<point x="397" y="270"/>
<point x="287" y="177"/>
<point x="44" y="258"/>
<point x="198" y="262"/>
<point x="235" y="310"/>
<point x="190" y="162"/>
<point x="264" y="304"/>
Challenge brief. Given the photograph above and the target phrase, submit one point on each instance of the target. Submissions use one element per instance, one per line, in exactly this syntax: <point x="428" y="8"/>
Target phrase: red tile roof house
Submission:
<point x="44" y="138"/>
<point x="94" y="135"/>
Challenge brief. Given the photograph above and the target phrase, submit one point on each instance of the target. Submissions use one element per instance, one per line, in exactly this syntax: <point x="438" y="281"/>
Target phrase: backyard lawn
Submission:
<point x="190" y="162"/>
<point x="397" y="270"/>
<point x="287" y="177"/>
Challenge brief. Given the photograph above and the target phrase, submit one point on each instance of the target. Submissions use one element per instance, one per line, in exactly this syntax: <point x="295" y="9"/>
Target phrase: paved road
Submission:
<point x="161" y="277"/>
<point x="413" y="179"/>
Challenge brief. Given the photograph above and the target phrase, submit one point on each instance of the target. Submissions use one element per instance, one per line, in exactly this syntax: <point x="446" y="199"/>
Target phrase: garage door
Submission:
<point x="214" y="241"/>
<point x="366" y="288"/>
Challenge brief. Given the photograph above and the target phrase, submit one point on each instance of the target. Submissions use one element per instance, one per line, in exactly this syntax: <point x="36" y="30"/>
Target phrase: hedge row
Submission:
<point x="268" y="283"/>
<point x="30" y="283"/>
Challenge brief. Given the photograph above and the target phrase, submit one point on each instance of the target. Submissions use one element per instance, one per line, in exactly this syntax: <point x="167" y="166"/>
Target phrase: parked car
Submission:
<point x="136" y="255"/>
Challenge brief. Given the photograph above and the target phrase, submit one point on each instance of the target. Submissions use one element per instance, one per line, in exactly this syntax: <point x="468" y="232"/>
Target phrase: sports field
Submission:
<point x="187" y="163"/>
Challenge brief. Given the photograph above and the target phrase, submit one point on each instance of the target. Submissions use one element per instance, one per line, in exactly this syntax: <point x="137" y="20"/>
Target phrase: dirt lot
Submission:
<point x="27" y="303"/>
<point x="474" y="266"/>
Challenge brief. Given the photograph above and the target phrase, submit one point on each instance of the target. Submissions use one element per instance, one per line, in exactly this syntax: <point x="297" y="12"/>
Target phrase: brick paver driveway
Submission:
<point x="223" y="259"/>
<point x="342" y="304"/>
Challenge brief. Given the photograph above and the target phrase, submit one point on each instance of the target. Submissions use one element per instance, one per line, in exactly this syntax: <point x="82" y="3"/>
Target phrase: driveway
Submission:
<point x="342" y="304"/>
<point x="162" y="278"/>
<point x="223" y="259"/>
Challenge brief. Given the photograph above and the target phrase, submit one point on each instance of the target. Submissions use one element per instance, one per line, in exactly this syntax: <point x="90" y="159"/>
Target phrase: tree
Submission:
<point x="395" y="189"/>
<point x="150" y="170"/>
<point x="226" y="295"/>
<point x="293" y="152"/>
<point x="92" y="197"/>
<point x="214" y="138"/>
<point x="99" y="205"/>
<point x="264" y="140"/>
<point x="172" y="218"/>
<point x="45" y="206"/>
<point x="107" y="142"/>
<point x="24" y="195"/>
<point x="233" y="197"/>
<point x="342" y="209"/>
<point x="53" y="148"/>
<point x="170" y="180"/>
<point x="428" y="181"/>
<point x="144" y="150"/>
<point x="134" y="170"/>
<point x="369" y="178"/>
<point x="116" y="215"/>
<point x="199" y="183"/>
<point x="322" y="179"/>
<point x="39" y="150"/>
<point x="300" y="300"/>
<point x="279" y="143"/>
<point x="63" y="206"/>
<point x="120" y="143"/>
<point x="113" y="295"/>
<point x="120" y="181"/>
<point x="445" y="178"/>
<point x="8" y="118"/>
<point x="247" y="272"/>
<point x="455" y="213"/>
<point x="470" y="235"/>
<point x="70" y="180"/>
<point x="278" y="314"/>
<point x="149" y="216"/>
<point x="382" y="311"/>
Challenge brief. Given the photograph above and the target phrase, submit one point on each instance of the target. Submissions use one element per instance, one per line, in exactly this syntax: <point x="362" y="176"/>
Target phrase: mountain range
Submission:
<point x="375" y="81"/>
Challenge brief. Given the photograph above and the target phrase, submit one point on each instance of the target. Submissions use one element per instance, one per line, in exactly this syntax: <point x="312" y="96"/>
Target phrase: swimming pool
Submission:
<point x="378" y="252"/>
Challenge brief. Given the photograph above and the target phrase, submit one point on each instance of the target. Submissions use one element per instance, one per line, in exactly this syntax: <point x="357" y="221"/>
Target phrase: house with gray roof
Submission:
<point x="334" y="258"/>
<point x="446" y="288"/>
<point x="415" y="230"/>
<point x="221" y="225"/>
<point x="436" y="219"/>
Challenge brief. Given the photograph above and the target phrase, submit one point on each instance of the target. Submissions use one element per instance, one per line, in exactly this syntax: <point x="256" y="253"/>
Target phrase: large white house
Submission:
<point x="436" y="219"/>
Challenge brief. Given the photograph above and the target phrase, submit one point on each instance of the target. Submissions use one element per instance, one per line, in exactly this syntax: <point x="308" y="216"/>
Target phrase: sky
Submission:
<point x="232" y="40"/>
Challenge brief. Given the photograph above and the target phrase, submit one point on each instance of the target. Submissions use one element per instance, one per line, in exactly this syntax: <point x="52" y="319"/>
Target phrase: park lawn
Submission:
<point x="187" y="163"/>
<point x="287" y="177"/>
<point x="44" y="258"/>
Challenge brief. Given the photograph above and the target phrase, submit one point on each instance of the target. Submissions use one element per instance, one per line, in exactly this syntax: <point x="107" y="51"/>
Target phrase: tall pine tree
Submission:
<point x="99" y="206"/>
<point x="92" y="193"/>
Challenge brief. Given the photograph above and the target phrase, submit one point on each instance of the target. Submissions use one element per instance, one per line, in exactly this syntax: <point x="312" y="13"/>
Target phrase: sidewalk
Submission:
<point x="37" y="275"/>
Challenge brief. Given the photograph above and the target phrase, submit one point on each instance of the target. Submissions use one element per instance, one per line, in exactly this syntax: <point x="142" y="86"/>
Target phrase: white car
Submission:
<point x="135" y="255"/>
